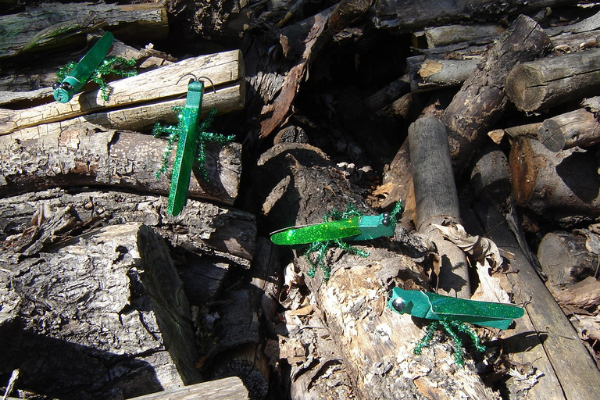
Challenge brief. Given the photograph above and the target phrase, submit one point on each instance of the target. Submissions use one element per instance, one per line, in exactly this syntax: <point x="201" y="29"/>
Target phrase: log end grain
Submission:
<point x="551" y="136"/>
<point x="525" y="87"/>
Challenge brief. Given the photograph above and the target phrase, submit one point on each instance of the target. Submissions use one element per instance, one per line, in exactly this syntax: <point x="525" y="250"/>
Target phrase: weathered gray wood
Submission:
<point x="490" y="175"/>
<point x="481" y="100"/>
<point x="551" y="81"/>
<point x="563" y="185"/>
<point x="439" y="36"/>
<point x="139" y="101"/>
<point x="38" y="28"/>
<point x="577" y="374"/>
<point x="436" y="199"/>
<point x="102" y="315"/>
<point x="429" y="74"/>
<point x="85" y="156"/>
<point x="565" y="259"/>
<point x="564" y="131"/>
<point x="409" y="15"/>
<point x="227" y="234"/>
<point x="223" y="389"/>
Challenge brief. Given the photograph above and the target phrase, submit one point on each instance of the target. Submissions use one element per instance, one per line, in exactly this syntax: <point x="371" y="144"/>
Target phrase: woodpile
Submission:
<point x="483" y="119"/>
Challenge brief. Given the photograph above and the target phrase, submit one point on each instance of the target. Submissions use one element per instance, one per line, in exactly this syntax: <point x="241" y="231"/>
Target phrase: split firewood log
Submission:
<point x="561" y="186"/>
<point x="571" y="371"/>
<point x="137" y="102"/>
<point x="102" y="315"/>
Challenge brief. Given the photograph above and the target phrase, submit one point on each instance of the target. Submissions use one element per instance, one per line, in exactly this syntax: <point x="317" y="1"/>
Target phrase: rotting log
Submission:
<point x="218" y="236"/>
<point x="89" y="157"/>
<point x="49" y="27"/>
<point x="575" y="128"/>
<point x="436" y="200"/>
<point x="410" y="15"/>
<point x="551" y="81"/>
<point x="138" y="102"/>
<point x="222" y="389"/>
<point x="565" y="259"/>
<point x="562" y="186"/>
<point x="577" y="374"/>
<point x="481" y="100"/>
<point x="101" y="315"/>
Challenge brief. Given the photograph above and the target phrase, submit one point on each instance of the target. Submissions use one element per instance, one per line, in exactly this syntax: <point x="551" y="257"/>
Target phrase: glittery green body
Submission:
<point x="191" y="140"/>
<point x="437" y="307"/>
<point x="84" y="69"/>
<point x="315" y="233"/>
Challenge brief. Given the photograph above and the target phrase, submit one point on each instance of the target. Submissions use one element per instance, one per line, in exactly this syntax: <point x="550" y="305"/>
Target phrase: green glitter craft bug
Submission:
<point x="191" y="140"/>
<point x="337" y="228"/>
<point x="452" y="314"/>
<point x="94" y="66"/>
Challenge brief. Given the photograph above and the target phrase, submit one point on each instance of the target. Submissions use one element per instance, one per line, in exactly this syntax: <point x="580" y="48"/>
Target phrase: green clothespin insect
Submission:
<point x="191" y="138"/>
<point x="92" y="67"/>
<point x="336" y="229"/>
<point x="452" y="313"/>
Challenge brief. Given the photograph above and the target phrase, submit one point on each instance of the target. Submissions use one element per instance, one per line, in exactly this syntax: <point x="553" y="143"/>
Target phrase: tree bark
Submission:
<point x="562" y="185"/>
<point x="428" y="74"/>
<point x="85" y="157"/>
<point x="481" y="100"/>
<point x="139" y="101"/>
<point x="49" y="27"/>
<point x="102" y="316"/>
<point x="440" y="36"/>
<point x="552" y="81"/>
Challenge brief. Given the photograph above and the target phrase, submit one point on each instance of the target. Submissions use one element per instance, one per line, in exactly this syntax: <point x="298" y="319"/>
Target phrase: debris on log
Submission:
<point x="102" y="315"/>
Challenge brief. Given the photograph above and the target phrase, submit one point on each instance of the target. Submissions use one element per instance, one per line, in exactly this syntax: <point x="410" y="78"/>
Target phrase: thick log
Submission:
<point x="575" y="128"/>
<point x="583" y="295"/>
<point x="552" y="81"/>
<point x="220" y="236"/>
<point x="440" y="36"/>
<point x="565" y="258"/>
<point x="87" y="157"/>
<point x="138" y="102"/>
<point x="223" y="389"/>
<point x="563" y="185"/>
<point x="411" y="15"/>
<point x="49" y="26"/>
<point x="437" y="200"/>
<point x="571" y="364"/>
<point x="481" y="100"/>
<point x="103" y="315"/>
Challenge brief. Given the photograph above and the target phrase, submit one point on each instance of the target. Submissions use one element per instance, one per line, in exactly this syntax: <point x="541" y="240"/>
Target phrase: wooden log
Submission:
<point x="577" y="374"/>
<point x="559" y="186"/>
<point x="102" y="315"/>
<point x="139" y="101"/>
<point x="552" y="81"/>
<point x="583" y="295"/>
<point x="389" y="93"/>
<point x="564" y="131"/>
<point x="439" y="36"/>
<point x="565" y="258"/>
<point x="49" y="27"/>
<point x="481" y="100"/>
<point x="122" y="159"/>
<point x="203" y="229"/>
<point x="230" y="388"/>
<point x="411" y="15"/>
<point x="437" y="200"/>
<point x="490" y="175"/>
<point x="429" y="74"/>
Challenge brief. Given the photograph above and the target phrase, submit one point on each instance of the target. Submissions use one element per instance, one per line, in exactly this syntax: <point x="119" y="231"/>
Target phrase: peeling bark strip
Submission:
<point x="52" y="26"/>
<point x="104" y="315"/>
<point x="82" y="157"/>
<point x="481" y="100"/>
<point x="551" y="81"/>
<point x="141" y="100"/>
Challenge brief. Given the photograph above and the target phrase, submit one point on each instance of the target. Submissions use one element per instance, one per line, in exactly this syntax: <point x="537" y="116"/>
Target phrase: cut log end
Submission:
<point x="551" y="136"/>
<point x="525" y="87"/>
